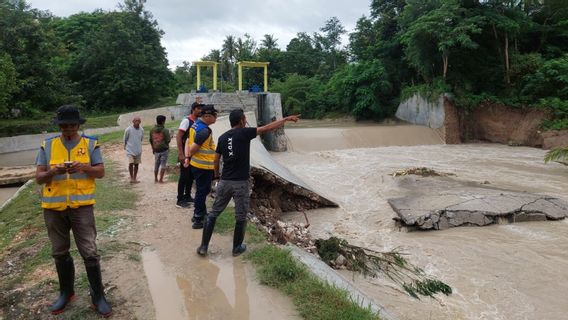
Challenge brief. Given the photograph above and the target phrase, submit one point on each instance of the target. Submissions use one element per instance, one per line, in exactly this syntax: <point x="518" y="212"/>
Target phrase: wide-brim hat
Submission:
<point x="68" y="114"/>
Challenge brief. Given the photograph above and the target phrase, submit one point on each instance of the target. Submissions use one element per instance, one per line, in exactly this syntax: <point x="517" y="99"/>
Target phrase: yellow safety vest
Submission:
<point x="68" y="190"/>
<point x="205" y="156"/>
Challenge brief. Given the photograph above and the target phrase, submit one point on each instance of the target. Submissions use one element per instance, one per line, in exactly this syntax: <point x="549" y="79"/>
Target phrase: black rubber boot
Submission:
<point x="207" y="232"/>
<point x="238" y="245"/>
<point x="66" y="274"/>
<point x="97" y="292"/>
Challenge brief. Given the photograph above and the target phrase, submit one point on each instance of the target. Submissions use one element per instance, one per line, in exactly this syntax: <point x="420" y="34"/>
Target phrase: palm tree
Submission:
<point x="558" y="155"/>
<point x="269" y="42"/>
<point x="229" y="52"/>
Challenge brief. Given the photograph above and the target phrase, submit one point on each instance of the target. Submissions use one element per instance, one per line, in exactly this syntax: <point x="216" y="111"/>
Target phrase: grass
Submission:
<point x="22" y="212"/>
<point x="313" y="298"/>
<point x="112" y="193"/>
<point x="226" y="223"/>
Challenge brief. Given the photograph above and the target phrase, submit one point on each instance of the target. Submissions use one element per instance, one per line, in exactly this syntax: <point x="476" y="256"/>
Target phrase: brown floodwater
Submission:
<point x="509" y="271"/>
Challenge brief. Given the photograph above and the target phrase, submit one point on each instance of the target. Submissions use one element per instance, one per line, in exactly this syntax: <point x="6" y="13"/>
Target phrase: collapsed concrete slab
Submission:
<point x="441" y="205"/>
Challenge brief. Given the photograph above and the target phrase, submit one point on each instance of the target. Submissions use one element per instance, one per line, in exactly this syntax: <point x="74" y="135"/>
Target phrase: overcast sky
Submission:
<point x="192" y="28"/>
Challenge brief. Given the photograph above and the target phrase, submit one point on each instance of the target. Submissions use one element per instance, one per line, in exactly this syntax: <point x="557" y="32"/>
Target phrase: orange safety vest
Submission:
<point x="68" y="190"/>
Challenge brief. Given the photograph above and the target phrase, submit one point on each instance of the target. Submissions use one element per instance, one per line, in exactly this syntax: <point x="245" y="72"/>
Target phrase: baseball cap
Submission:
<point x="208" y="109"/>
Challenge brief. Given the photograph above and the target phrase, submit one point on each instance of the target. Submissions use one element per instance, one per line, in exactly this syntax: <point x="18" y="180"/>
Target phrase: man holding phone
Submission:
<point x="67" y="166"/>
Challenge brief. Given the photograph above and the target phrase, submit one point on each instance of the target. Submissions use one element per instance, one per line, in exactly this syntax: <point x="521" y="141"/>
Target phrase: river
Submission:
<point x="509" y="271"/>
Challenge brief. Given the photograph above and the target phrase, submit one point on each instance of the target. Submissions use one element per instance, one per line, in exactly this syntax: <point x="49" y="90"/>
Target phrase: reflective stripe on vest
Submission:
<point x="205" y="156"/>
<point x="68" y="190"/>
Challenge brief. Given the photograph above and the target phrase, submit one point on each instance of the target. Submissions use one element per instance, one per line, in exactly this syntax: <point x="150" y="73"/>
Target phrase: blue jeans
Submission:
<point x="203" y="180"/>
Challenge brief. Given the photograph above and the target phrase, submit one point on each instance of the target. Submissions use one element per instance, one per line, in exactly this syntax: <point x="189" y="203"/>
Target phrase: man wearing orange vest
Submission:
<point x="67" y="166"/>
<point x="199" y="155"/>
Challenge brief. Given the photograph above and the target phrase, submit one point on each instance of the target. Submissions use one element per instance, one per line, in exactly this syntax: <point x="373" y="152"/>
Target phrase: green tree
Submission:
<point x="330" y="40"/>
<point x="363" y="90"/>
<point x="229" y="54"/>
<point x="8" y="82"/>
<point x="124" y="64"/>
<point x="301" y="95"/>
<point x="301" y="56"/>
<point x="447" y="27"/>
<point x="27" y="38"/>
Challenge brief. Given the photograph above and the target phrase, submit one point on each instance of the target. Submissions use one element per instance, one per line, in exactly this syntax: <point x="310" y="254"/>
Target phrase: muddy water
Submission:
<point x="516" y="271"/>
<point x="220" y="287"/>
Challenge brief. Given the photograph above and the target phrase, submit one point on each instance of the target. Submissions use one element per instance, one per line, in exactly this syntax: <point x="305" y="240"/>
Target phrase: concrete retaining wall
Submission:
<point x="223" y="101"/>
<point x="418" y="110"/>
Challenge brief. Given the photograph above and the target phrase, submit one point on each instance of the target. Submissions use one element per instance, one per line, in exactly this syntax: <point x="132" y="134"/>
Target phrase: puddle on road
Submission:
<point x="217" y="287"/>
<point x="165" y="293"/>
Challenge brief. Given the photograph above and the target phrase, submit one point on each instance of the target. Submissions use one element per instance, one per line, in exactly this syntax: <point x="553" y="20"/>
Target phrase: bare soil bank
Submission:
<point x="499" y="123"/>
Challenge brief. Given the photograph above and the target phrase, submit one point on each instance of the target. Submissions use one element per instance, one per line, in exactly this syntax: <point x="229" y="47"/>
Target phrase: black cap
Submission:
<point x="208" y="109"/>
<point x="68" y="114"/>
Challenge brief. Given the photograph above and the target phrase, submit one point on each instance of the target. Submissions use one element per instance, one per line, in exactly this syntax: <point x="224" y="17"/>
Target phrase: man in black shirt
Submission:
<point x="234" y="148"/>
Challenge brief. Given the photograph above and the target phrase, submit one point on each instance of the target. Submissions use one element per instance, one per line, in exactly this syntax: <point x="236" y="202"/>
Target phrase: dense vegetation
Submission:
<point x="99" y="60"/>
<point x="513" y="52"/>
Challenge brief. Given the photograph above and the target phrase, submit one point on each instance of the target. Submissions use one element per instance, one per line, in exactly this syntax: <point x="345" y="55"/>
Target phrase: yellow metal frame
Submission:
<point x="252" y="64"/>
<point x="200" y="64"/>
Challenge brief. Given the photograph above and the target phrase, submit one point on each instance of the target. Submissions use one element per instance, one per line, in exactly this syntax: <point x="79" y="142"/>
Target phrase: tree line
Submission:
<point x="510" y="52"/>
<point x="99" y="60"/>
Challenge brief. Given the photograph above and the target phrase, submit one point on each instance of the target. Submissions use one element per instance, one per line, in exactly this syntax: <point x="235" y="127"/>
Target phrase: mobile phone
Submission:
<point x="68" y="164"/>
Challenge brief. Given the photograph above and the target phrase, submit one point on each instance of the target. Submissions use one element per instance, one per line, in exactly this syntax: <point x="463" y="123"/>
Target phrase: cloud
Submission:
<point x="193" y="28"/>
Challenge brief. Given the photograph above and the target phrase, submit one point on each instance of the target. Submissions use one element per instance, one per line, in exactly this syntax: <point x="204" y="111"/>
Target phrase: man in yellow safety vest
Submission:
<point x="67" y="166"/>
<point x="199" y="155"/>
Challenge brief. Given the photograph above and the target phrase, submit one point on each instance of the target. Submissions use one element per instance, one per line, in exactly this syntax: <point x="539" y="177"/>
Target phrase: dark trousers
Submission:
<point x="184" y="183"/>
<point x="203" y="180"/>
<point x="82" y="222"/>
<point x="236" y="190"/>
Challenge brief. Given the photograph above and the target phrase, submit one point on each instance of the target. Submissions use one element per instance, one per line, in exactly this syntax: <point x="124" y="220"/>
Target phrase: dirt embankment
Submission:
<point x="500" y="123"/>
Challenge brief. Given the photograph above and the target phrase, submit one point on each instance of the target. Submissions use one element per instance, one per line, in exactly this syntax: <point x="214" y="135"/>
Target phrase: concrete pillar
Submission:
<point x="265" y="78"/>
<point x="198" y="76"/>
<point x="269" y="109"/>
<point x="240" y="77"/>
<point x="215" y="77"/>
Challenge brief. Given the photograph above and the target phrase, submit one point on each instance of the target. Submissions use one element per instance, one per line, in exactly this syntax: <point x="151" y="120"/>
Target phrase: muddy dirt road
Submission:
<point x="172" y="281"/>
<point x="512" y="271"/>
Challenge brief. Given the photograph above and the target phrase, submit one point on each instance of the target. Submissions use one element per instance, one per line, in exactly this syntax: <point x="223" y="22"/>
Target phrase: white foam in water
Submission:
<point x="526" y="232"/>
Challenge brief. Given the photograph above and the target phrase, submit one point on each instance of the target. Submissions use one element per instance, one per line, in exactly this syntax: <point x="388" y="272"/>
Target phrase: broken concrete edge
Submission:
<point x="291" y="187"/>
<point x="327" y="274"/>
<point x="448" y="218"/>
<point x="7" y="202"/>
